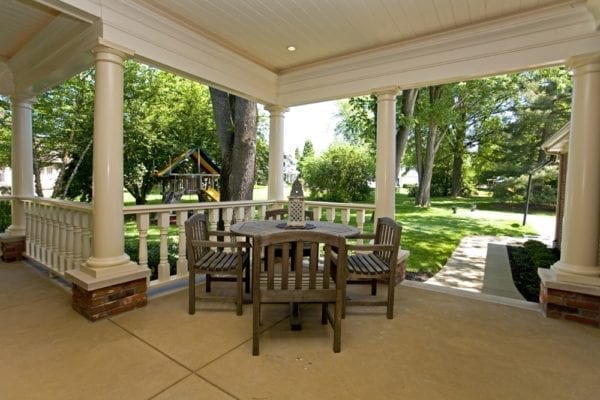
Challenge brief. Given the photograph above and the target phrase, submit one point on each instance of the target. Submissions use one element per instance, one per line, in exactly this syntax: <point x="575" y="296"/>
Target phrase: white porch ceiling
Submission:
<point x="344" y="47"/>
<point x="261" y="30"/>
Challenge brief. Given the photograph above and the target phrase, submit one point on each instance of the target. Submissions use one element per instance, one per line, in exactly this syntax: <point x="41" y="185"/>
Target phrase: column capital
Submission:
<point x="22" y="100"/>
<point x="276" y="109"/>
<point x="582" y="60"/>
<point x="386" y="93"/>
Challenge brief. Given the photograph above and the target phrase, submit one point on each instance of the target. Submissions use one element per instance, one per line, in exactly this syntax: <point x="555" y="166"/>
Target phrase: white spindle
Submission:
<point x="330" y="214"/>
<point x="182" y="262"/>
<point x="345" y="215"/>
<point x="164" y="268"/>
<point x="70" y="240"/>
<point x="143" y="223"/>
<point x="76" y="239"/>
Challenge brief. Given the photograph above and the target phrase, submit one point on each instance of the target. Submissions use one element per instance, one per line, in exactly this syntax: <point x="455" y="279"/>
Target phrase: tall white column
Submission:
<point x="21" y="160"/>
<point x="276" y="152"/>
<point x="385" y="175"/>
<point x="108" y="263"/>
<point x="581" y="222"/>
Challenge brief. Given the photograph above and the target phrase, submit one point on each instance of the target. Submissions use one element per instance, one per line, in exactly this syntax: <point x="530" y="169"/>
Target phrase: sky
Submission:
<point x="313" y="121"/>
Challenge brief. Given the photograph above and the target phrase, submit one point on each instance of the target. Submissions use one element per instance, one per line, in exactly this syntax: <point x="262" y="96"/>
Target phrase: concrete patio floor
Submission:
<point x="438" y="346"/>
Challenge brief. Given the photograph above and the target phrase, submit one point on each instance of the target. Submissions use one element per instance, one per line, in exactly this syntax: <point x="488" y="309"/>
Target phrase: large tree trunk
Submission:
<point x="409" y="99"/>
<point x="434" y="139"/>
<point x="457" y="164"/>
<point x="74" y="172"/>
<point x="235" y="119"/>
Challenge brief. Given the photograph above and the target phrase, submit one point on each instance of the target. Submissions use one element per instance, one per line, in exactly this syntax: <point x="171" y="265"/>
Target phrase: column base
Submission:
<point x="568" y="300"/>
<point x="111" y="300"/>
<point x="576" y="273"/>
<point x="12" y="247"/>
<point x="115" y="290"/>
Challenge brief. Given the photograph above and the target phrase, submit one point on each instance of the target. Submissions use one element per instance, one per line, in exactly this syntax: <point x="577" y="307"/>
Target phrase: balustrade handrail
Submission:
<point x="141" y="209"/>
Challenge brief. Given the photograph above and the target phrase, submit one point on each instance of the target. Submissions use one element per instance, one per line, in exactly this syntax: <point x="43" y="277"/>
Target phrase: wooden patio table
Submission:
<point x="254" y="229"/>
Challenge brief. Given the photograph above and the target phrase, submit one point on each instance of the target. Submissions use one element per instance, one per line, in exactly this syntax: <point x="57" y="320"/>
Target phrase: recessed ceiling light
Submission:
<point x="291" y="48"/>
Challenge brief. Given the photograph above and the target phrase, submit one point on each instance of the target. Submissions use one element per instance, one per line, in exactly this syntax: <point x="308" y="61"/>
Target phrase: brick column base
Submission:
<point x="571" y="306"/>
<point x="12" y="247"/>
<point x="108" y="301"/>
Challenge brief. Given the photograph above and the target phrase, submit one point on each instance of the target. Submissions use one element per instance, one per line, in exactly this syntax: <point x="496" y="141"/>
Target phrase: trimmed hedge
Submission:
<point x="524" y="263"/>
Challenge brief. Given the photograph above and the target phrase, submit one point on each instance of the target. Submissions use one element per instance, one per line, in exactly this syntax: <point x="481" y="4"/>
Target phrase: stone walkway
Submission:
<point x="480" y="264"/>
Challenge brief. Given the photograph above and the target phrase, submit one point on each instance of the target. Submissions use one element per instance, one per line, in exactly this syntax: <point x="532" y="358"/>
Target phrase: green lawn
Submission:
<point x="432" y="234"/>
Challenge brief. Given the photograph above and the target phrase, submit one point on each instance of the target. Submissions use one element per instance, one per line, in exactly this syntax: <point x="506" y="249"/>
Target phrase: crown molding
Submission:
<point x="162" y="42"/>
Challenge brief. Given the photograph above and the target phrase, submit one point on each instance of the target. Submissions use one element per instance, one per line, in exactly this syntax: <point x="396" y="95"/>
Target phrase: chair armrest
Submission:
<point x="370" y="247"/>
<point x="362" y="236"/>
<point x="214" y="243"/>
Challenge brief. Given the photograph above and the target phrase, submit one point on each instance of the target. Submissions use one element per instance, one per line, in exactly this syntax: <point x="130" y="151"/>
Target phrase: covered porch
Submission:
<point x="439" y="346"/>
<point x="48" y="41"/>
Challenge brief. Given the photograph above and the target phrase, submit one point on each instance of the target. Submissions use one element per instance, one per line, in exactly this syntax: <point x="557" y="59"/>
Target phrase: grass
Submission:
<point x="432" y="234"/>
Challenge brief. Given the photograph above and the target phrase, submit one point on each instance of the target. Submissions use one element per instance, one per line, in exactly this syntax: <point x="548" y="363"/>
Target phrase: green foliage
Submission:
<point x="132" y="249"/>
<point x="5" y="215"/>
<point x="524" y="264"/>
<point x="341" y="174"/>
<point x="262" y="159"/>
<point x="5" y="131"/>
<point x="543" y="188"/>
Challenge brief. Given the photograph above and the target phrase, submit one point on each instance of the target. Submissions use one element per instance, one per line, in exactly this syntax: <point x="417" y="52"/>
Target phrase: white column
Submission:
<point x="385" y="175"/>
<point x="108" y="263"/>
<point x="21" y="161"/>
<point x="581" y="222"/>
<point x="276" y="152"/>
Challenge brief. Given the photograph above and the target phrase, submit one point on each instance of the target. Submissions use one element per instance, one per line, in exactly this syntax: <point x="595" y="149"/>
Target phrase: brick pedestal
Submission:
<point x="401" y="266"/>
<point x="12" y="247"/>
<point x="112" y="300"/>
<point x="569" y="300"/>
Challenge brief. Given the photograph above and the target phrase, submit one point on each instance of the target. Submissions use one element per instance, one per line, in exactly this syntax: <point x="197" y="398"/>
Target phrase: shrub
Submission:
<point x="132" y="249"/>
<point x="543" y="188"/>
<point x="5" y="215"/>
<point x="341" y="174"/>
<point x="524" y="263"/>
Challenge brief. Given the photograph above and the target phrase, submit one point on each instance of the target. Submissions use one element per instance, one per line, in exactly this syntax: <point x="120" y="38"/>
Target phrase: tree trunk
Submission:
<point x="236" y="121"/>
<point x="409" y="99"/>
<point x="457" y="164"/>
<point x="36" y="177"/>
<point x="75" y="169"/>
<point x="434" y="140"/>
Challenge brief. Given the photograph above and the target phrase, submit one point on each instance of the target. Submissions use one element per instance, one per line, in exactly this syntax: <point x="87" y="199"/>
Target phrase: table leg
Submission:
<point x="295" y="322"/>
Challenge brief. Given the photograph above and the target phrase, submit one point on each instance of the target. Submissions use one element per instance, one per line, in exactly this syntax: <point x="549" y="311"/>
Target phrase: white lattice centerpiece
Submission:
<point x="296" y="205"/>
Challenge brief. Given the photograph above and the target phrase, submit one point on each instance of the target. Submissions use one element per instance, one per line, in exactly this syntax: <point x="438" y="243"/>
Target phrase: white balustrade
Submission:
<point x="59" y="232"/>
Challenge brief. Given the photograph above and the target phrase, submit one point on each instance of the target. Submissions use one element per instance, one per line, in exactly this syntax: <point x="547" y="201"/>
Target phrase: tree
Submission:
<point x="236" y="122"/>
<point x="341" y="174"/>
<point x="434" y="111"/>
<point x="5" y="131"/>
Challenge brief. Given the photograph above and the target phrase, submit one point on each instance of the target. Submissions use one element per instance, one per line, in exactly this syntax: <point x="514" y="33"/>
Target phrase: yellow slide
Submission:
<point x="213" y="193"/>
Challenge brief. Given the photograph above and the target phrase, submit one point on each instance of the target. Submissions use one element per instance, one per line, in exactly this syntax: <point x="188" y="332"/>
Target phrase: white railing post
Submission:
<point x="330" y="214"/>
<point x="164" y="269"/>
<point x="76" y="260"/>
<point x="86" y="237"/>
<point x="182" y="262"/>
<point x="345" y="216"/>
<point x="62" y="256"/>
<point x="70" y="240"/>
<point x="360" y="219"/>
<point x="143" y="223"/>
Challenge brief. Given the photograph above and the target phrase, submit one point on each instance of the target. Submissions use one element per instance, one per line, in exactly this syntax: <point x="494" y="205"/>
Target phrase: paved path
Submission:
<point x="480" y="263"/>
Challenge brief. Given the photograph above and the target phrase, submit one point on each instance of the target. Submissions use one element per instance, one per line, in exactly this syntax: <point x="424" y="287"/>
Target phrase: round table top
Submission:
<point x="255" y="228"/>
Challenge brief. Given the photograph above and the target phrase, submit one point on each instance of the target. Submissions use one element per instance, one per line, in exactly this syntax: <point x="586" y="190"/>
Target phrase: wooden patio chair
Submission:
<point x="206" y="256"/>
<point x="282" y="214"/>
<point x="305" y="284"/>
<point x="375" y="262"/>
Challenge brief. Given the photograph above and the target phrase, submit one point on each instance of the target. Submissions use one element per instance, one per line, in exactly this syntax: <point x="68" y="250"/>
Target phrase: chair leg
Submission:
<point x="255" y="324"/>
<point x="374" y="287"/>
<point x="208" y="282"/>
<point x="337" y="323"/>
<point x="239" y="286"/>
<point x="390" y="296"/>
<point x="324" y="313"/>
<point x="192" y="291"/>
<point x="247" y="288"/>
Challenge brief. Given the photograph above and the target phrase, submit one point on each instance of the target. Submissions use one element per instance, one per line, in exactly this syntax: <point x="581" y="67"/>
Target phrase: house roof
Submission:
<point x="343" y="47"/>
<point x="559" y="142"/>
